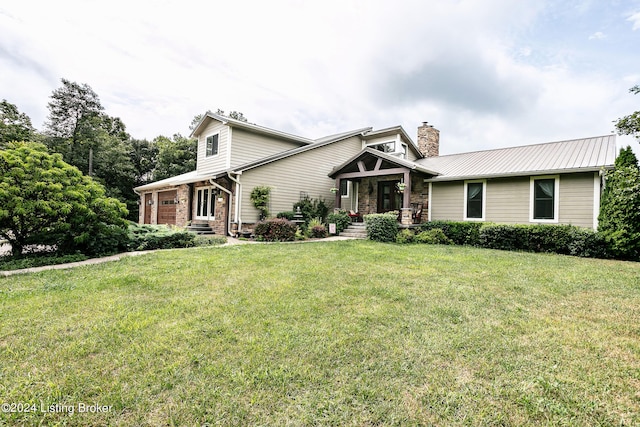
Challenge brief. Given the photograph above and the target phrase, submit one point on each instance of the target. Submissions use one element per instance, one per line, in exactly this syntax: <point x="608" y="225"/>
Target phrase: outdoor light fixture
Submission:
<point x="150" y="202"/>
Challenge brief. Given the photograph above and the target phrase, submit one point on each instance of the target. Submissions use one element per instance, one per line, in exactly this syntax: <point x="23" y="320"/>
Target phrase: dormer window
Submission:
<point x="390" y="147"/>
<point x="212" y="145"/>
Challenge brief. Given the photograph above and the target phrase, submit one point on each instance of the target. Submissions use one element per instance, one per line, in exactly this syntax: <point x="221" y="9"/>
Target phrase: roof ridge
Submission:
<point x="524" y="146"/>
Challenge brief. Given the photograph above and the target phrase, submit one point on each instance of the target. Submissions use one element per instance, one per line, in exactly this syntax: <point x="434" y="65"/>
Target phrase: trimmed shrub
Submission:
<point x="312" y="208"/>
<point x="382" y="227"/>
<point x="405" y="236"/>
<point x="435" y="236"/>
<point x="460" y="233"/>
<point x="150" y="237"/>
<point x="275" y="230"/>
<point x="340" y="219"/>
<point x="318" y="231"/>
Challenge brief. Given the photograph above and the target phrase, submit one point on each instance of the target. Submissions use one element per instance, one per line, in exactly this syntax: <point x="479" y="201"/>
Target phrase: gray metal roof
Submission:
<point x="553" y="157"/>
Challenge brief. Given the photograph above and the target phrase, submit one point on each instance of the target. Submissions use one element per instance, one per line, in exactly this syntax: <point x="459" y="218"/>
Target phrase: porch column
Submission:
<point x="338" y="200"/>
<point x="406" y="211"/>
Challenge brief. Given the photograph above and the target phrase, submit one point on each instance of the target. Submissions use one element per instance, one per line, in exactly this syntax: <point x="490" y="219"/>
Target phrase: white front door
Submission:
<point x="205" y="203"/>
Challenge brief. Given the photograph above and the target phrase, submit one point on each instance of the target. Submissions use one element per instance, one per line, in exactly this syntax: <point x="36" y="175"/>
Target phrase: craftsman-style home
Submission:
<point x="366" y="171"/>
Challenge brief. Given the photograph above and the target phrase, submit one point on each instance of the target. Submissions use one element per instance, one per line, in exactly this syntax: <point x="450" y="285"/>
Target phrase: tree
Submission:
<point x="44" y="200"/>
<point x="619" y="219"/>
<point x="175" y="156"/>
<point x="630" y="125"/>
<point x="14" y="125"/>
<point x="143" y="156"/>
<point x="237" y="115"/>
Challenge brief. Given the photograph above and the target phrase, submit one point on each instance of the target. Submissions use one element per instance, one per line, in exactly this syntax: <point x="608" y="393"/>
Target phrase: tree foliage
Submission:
<point x="44" y="200"/>
<point x="619" y="219"/>
<point x="630" y="125"/>
<point x="14" y="125"/>
<point x="176" y="156"/>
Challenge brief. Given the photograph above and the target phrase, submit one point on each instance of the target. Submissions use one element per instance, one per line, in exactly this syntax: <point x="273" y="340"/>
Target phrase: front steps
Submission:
<point x="357" y="230"/>
<point x="200" y="228"/>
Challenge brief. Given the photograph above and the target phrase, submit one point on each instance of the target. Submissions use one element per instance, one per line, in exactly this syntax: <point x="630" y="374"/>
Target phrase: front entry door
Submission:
<point x="389" y="199"/>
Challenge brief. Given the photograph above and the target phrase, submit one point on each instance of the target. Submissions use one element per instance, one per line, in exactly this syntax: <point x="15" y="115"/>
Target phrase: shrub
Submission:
<point x="312" y="208"/>
<point x="382" y="227"/>
<point x="318" y="231"/>
<point x="260" y="197"/>
<point x="405" y="236"/>
<point x="275" y="230"/>
<point x="149" y="237"/>
<point x="286" y="215"/>
<point x="460" y="233"/>
<point x="340" y="219"/>
<point x="435" y="236"/>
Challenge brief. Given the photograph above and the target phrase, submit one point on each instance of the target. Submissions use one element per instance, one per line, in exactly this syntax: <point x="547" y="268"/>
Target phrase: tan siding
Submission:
<point x="287" y="177"/>
<point x="576" y="199"/>
<point x="447" y="200"/>
<point x="246" y="146"/>
<point x="214" y="163"/>
<point x="508" y="200"/>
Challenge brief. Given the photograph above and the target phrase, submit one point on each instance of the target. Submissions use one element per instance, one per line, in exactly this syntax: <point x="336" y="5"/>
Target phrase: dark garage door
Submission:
<point x="167" y="207"/>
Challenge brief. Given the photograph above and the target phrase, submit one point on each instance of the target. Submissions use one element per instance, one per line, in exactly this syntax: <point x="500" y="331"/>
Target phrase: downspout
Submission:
<point x="218" y="186"/>
<point x="238" y="197"/>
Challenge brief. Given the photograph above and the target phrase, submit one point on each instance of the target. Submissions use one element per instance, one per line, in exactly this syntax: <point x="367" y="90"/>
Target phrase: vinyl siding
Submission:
<point x="218" y="162"/>
<point x="508" y="200"/>
<point x="447" y="201"/>
<point x="576" y="199"/>
<point x="306" y="171"/>
<point x="246" y="146"/>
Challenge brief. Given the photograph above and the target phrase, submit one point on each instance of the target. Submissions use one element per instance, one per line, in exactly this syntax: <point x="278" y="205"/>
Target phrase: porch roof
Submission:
<point x="185" y="178"/>
<point x="358" y="164"/>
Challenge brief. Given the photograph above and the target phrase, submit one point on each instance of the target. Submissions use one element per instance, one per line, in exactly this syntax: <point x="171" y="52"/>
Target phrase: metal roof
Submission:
<point x="553" y="157"/>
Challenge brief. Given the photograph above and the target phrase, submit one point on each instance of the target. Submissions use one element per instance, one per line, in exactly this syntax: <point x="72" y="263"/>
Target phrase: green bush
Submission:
<point x="461" y="233"/>
<point x="286" y="215"/>
<point x="405" y="236"/>
<point x="340" y="219"/>
<point x="382" y="227"/>
<point x="318" y="231"/>
<point x="312" y="208"/>
<point x="435" y="236"/>
<point x="149" y="237"/>
<point x="275" y="230"/>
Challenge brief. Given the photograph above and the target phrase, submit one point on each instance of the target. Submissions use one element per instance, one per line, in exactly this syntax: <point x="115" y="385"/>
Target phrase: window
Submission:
<point x="206" y="203"/>
<point x="344" y="188"/>
<point x="212" y="145"/>
<point x="544" y="199"/>
<point x="474" y="199"/>
<point x="387" y="147"/>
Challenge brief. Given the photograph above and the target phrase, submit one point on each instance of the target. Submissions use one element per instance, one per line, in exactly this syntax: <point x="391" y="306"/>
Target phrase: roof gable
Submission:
<point x="370" y="158"/>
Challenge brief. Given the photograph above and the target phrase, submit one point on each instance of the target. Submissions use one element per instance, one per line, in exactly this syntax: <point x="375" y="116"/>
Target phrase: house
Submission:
<point x="368" y="171"/>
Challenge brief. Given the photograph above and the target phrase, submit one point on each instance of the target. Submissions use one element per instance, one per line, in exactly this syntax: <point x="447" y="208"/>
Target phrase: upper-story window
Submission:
<point x="212" y="145"/>
<point x="390" y="147"/>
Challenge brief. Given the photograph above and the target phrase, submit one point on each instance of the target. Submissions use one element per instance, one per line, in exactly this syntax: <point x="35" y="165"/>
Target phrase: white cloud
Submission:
<point x="635" y="18"/>
<point x="598" y="35"/>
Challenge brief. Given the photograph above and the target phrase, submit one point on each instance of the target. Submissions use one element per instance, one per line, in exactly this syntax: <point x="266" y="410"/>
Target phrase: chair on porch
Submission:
<point x="355" y="217"/>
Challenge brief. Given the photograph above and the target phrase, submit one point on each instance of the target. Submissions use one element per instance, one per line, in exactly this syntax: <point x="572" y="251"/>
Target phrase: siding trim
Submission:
<point x="429" y="201"/>
<point x="229" y="139"/>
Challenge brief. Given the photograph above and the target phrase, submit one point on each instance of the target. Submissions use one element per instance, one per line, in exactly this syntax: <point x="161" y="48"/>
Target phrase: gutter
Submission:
<point x="444" y="178"/>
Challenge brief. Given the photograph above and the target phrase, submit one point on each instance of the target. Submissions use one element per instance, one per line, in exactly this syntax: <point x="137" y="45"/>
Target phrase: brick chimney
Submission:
<point x="428" y="140"/>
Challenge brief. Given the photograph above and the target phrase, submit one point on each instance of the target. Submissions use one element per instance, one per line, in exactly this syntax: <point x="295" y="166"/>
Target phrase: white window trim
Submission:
<point x="211" y="199"/>
<point x="346" y="196"/>
<point x="556" y="199"/>
<point x="484" y="200"/>
<point x="205" y="146"/>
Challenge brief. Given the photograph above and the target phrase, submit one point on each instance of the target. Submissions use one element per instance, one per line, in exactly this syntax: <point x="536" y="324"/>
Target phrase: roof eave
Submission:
<point x="444" y="178"/>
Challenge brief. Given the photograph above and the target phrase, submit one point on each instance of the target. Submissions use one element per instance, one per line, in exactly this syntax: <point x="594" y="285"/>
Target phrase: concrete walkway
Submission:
<point x="231" y="241"/>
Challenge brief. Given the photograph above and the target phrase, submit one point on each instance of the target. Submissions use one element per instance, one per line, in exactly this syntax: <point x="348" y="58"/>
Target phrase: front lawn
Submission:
<point x="327" y="333"/>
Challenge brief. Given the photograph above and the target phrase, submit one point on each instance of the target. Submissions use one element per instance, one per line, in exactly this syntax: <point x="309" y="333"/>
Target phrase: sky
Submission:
<point x="487" y="74"/>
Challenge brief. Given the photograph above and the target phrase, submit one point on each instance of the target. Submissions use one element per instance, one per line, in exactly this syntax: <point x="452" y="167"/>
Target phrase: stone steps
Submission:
<point x="357" y="230"/>
<point x="200" y="228"/>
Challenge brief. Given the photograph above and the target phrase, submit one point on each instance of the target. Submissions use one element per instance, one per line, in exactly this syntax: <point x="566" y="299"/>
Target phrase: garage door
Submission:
<point x="167" y="207"/>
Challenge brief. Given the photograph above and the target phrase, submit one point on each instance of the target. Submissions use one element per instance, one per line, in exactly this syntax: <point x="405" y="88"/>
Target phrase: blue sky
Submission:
<point x="487" y="74"/>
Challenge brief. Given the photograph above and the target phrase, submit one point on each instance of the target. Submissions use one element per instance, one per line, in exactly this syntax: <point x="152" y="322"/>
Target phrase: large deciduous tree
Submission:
<point x="44" y="200"/>
<point x="14" y="125"/>
<point x="630" y="125"/>
<point x="176" y="156"/>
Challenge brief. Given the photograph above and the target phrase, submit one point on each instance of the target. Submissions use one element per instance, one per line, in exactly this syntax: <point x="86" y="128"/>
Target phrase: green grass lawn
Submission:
<point x="332" y="333"/>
